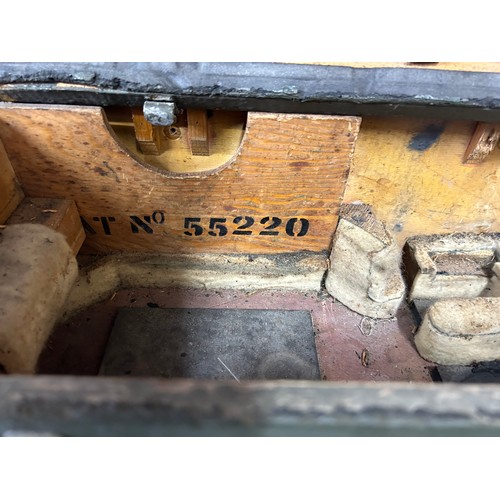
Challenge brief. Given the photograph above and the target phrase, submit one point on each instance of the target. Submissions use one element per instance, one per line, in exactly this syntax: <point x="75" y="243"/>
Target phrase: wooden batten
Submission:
<point x="279" y="193"/>
<point x="11" y="193"/>
<point x="176" y="154"/>
<point x="60" y="215"/>
<point x="198" y="132"/>
<point x="147" y="136"/>
<point x="484" y="140"/>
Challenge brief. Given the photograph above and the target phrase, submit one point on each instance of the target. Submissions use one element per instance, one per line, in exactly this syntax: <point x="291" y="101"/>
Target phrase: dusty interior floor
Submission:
<point x="204" y="343"/>
<point x="349" y="346"/>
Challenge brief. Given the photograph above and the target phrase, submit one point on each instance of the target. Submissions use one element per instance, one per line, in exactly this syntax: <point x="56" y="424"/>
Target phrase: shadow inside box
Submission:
<point x="478" y="373"/>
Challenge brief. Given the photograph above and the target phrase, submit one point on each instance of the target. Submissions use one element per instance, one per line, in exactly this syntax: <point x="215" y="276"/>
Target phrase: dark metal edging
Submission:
<point x="272" y="87"/>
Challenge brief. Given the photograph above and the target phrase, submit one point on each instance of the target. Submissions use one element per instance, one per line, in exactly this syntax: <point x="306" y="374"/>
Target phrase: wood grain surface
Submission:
<point x="280" y="193"/>
<point x="411" y="173"/>
<point x="198" y="132"/>
<point x="483" y="141"/>
<point x="60" y="215"/>
<point x="147" y="136"/>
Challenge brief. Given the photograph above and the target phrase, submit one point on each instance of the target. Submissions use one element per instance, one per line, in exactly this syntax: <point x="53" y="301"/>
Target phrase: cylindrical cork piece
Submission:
<point x="37" y="271"/>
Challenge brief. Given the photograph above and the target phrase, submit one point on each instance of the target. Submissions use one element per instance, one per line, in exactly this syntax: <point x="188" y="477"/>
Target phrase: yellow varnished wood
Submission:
<point x="148" y="138"/>
<point x="424" y="191"/>
<point x="222" y="136"/>
<point x="198" y="132"/>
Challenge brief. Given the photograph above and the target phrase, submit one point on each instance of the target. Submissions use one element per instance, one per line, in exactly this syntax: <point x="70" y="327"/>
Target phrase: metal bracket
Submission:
<point x="160" y="113"/>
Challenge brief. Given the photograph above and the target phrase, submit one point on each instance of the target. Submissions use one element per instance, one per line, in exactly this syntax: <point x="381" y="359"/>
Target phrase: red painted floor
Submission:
<point x="349" y="346"/>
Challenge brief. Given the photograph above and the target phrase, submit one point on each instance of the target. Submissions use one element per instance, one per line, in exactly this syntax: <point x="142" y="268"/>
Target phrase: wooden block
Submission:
<point x="147" y="136"/>
<point x="198" y="132"/>
<point x="482" y="143"/>
<point x="279" y="193"/>
<point x="11" y="193"/>
<point x="60" y="215"/>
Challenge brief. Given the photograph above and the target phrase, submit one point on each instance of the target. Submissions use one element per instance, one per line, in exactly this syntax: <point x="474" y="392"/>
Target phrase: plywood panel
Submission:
<point x="411" y="173"/>
<point x="280" y="193"/>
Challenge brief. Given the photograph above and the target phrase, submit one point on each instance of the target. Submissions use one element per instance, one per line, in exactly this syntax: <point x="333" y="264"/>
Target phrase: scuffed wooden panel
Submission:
<point x="411" y="173"/>
<point x="280" y="193"/>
